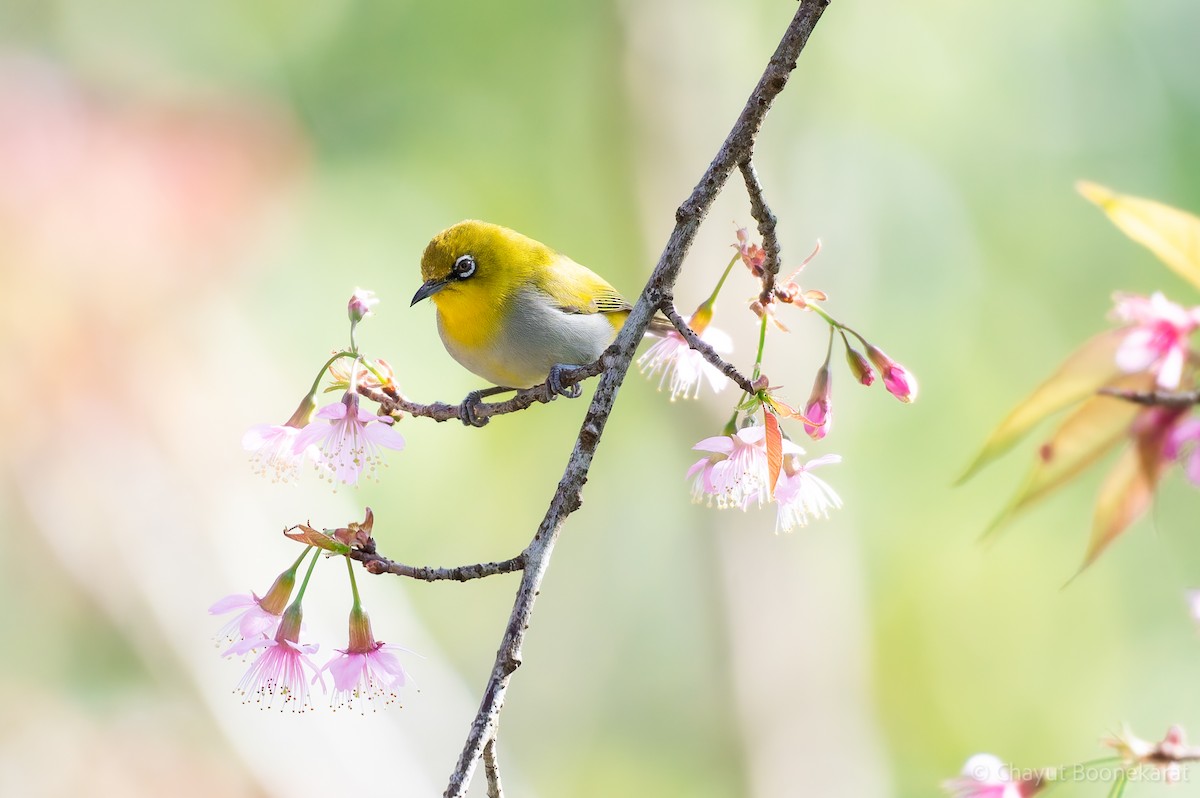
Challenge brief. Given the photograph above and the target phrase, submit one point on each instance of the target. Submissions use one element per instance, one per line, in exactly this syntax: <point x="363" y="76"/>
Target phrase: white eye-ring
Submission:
<point x="464" y="267"/>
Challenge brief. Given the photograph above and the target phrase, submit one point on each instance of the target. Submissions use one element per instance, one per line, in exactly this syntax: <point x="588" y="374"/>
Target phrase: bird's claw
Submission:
<point x="466" y="410"/>
<point x="555" y="387"/>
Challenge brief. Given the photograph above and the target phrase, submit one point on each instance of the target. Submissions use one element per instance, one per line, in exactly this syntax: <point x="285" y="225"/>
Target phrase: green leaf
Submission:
<point x="1171" y="234"/>
<point x="1087" y="369"/>
<point x="1090" y="431"/>
<point x="304" y="533"/>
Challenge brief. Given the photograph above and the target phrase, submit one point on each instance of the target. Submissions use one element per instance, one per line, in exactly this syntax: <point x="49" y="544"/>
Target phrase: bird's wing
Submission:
<point x="578" y="289"/>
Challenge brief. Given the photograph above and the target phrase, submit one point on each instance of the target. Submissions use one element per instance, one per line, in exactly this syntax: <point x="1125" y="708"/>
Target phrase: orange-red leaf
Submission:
<point x="1171" y="234"/>
<point x="774" y="441"/>
<point x="1087" y="368"/>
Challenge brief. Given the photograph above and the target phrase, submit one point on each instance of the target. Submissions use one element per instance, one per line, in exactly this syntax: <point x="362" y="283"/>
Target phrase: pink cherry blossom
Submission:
<point x="1183" y="444"/>
<point x="1157" y="337"/>
<point x="373" y="675"/>
<point x="1193" y="600"/>
<point x="685" y="367"/>
<point x="347" y="439"/>
<point x="273" y="446"/>
<point x="801" y="495"/>
<point x="273" y="451"/>
<point x="985" y="776"/>
<point x="254" y="622"/>
<point x="366" y="670"/>
<point x="735" y="473"/>
<point x="280" y="672"/>
<point x="260" y="616"/>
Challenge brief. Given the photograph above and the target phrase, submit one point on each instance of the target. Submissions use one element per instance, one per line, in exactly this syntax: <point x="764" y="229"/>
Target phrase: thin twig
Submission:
<point x="1158" y="398"/>
<point x="378" y="564"/>
<point x="615" y="364"/>
<point x="710" y="354"/>
<point x="491" y="769"/>
<point x="762" y="214"/>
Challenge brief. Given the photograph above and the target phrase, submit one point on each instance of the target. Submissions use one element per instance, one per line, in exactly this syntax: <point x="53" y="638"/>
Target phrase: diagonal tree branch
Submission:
<point x="491" y="770"/>
<point x="765" y="217"/>
<point x="697" y="343"/>
<point x="615" y="364"/>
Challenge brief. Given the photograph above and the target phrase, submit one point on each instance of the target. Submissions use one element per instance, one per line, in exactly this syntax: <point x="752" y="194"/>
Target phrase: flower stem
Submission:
<point x="1118" y="788"/>
<point x="1050" y="783"/>
<point x="731" y="427"/>
<point x="762" y="343"/>
<point x="378" y="375"/>
<point x="708" y="303"/>
<point x="299" y="560"/>
<point x="829" y="319"/>
<point x="307" y="576"/>
<point x="316" y="386"/>
<point x="353" y="585"/>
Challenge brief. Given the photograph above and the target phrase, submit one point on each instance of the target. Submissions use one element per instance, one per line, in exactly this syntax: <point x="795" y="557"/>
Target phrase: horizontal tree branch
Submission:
<point x="378" y="564"/>
<point x="702" y="346"/>
<point x="391" y="400"/>
<point x="1155" y="398"/>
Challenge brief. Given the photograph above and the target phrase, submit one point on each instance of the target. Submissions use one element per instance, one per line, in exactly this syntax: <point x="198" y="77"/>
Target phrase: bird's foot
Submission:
<point x="466" y="410"/>
<point x="554" y="383"/>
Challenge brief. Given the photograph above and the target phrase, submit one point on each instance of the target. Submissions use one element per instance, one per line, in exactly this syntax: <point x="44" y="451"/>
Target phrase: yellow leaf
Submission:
<point x="1087" y="369"/>
<point x="1093" y="428"/>
<point x="1171" y="234"/>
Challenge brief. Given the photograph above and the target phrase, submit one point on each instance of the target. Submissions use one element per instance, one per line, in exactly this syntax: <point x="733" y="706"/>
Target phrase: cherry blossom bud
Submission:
<point x="816" y="413"/>
<point x="360" y="304"/>
<point x="859" y="367"/>
<point x="899" y="382"/>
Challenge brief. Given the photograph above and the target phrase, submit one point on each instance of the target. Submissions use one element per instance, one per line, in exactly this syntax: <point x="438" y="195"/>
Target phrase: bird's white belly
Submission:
<point x="534" y="337"/>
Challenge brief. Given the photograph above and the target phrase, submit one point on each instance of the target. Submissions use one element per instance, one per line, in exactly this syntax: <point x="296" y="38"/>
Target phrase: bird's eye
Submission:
<point x="464" y="267"/>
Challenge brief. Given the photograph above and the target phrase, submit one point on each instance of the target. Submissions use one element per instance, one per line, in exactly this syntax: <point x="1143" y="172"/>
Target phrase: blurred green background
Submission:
<point x="190" y="191"/>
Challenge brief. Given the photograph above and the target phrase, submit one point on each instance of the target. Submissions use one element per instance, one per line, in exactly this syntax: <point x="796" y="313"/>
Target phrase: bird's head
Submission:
<point x="474" y="260"/>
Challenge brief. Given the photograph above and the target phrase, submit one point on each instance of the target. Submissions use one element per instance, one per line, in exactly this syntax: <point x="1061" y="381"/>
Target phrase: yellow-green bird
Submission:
<point x="514" y="311"/>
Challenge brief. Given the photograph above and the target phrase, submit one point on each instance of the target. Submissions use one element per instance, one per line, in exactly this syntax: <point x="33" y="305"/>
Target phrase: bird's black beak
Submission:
<point x="428" y="289"/>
